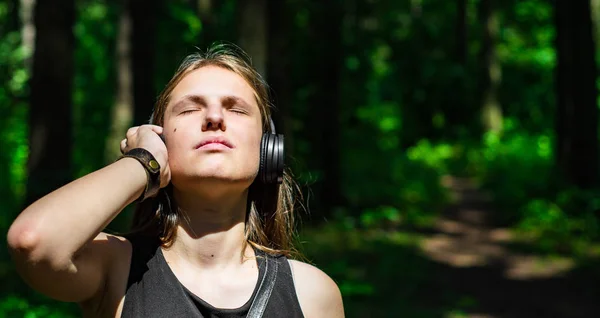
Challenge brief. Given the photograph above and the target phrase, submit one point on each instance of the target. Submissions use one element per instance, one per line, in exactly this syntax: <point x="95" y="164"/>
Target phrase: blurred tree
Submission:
<point x="205" y="11"/>
<point x="50" y="124"/>
<point x="577" y="112"/>
<point x="143" y="35"/>
<point x="324" y="105"/>
<point x="595" y="8"/>
<point x="461" y="32"/>
<point x="10" y="102"/>
<point x="13" y="19"/>
<point x="252" y="31"/>
<point x="491" y="111"/>
<point x="279" y="73"/>
<point x="122" y="112"/>
<point x="457" y="109"/>
<point x="28" y="27"/>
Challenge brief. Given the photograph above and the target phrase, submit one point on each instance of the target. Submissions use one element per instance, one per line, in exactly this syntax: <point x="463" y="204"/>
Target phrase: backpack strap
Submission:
<point x="259" y="304"/>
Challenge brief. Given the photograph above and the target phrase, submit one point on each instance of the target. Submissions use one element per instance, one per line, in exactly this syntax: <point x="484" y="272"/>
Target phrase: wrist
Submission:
<point x="137" y="176"/>
<point x="151" y="168"/>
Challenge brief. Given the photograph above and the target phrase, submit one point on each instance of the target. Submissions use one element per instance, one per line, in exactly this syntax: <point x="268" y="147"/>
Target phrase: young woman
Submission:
<point x="214" y="241"/>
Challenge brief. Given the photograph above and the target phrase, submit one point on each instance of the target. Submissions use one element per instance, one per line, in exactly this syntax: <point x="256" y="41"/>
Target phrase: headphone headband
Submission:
<point x="272" y="125"/>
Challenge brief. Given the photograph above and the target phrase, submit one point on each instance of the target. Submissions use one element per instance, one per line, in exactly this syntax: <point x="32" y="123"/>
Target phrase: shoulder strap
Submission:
<point x="264" y="290"/>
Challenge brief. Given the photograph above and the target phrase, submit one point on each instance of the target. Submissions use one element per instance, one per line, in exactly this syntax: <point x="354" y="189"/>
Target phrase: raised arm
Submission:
<point x="56" y="242"/>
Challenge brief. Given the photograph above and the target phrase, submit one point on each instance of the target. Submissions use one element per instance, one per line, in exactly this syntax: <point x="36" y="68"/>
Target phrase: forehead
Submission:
<point x="213" y="81"/>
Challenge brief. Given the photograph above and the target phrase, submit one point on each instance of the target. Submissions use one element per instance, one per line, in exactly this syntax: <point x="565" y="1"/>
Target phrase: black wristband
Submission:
<point x="152" y="168"/>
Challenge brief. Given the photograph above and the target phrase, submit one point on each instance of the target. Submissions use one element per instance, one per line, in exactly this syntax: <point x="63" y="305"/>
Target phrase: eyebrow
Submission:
<point x="227" y="101"/>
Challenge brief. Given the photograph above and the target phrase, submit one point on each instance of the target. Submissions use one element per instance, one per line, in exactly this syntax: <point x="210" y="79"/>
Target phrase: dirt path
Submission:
<point x="500" y="281"/>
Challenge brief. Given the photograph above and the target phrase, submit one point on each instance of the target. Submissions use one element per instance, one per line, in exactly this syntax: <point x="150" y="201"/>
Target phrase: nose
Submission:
<point x="214" y="119"/>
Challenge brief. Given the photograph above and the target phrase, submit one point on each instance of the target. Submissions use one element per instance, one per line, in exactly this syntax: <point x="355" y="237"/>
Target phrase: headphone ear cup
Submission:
<point x="280" y="156"/>
<point x="263" y="158"/>
<point x="271" y="159"/>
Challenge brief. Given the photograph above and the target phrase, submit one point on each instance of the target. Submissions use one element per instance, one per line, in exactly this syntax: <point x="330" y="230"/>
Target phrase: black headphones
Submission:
<point x="272" y="156"/>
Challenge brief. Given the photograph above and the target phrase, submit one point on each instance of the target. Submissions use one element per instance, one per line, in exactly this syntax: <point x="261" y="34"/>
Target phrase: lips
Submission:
<point x="215" y="140"/>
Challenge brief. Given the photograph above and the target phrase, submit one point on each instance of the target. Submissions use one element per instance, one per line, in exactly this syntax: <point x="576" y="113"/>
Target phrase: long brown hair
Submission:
<point x="270" y="208"/>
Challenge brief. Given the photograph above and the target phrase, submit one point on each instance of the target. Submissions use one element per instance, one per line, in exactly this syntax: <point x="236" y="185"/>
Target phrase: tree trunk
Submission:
<point x="252" y="31"/>
<point x="122" y="112"/>
<point x="491" y="111"/>
<point x="206" y="12"/>
<point x="577" y="110"/>
<point x="461" y="32"/>
<point x="50" y="136"/>
<point x="279" y="70"/>
<point x="325" y="108"/>
<point x="595" y="9"/>
<point x="13" y="22"/>
<point x="457" y="112"/>
<point x="28" y="29"/>
<point x="143" y="35"/>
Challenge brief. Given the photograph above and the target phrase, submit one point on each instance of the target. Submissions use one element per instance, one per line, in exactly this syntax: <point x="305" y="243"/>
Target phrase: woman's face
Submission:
<point x="212" y="126"/>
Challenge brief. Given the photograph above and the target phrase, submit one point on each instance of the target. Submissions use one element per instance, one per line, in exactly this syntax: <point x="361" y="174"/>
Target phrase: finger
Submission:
<point x="157" y="129"/>
<point x="131" y="131"/>
<point x="123" y="145"/>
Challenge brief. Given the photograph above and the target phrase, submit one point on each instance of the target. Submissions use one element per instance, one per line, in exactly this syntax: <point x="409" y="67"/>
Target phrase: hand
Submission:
<point x="147" y="137"/>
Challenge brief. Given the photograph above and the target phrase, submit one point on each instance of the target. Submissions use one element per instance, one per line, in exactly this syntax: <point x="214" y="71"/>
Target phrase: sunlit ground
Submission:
<point x="461" y="266"/>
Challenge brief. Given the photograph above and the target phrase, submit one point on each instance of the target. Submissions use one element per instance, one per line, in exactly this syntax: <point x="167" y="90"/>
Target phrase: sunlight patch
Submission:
<point x="526" y="267"/>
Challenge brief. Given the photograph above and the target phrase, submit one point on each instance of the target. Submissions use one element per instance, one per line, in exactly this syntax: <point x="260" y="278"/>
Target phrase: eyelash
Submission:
<point x="235" y="110"/>
<point x="238" y="111"/>
<point x="188" y="111"/>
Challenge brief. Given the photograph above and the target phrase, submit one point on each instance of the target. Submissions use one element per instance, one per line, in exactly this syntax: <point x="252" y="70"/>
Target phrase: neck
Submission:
<point x="211" y="230"/>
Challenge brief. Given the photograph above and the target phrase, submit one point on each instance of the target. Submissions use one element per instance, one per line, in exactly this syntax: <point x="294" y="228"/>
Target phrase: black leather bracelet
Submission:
<point x="152" y="168"/>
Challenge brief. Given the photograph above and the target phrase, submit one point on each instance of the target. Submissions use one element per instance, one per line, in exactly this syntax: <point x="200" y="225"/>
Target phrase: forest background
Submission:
<point x="447" y="150"/>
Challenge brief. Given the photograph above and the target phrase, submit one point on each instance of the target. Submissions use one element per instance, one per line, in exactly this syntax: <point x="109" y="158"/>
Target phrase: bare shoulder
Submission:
<point x="318" y="294"/>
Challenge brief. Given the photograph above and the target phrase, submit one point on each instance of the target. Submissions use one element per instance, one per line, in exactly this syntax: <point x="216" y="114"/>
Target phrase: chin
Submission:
<point x="213" y="181"/>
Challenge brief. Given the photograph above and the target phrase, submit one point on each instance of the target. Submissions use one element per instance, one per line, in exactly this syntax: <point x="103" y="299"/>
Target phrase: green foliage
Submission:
<point x="410" y="187"/>
<point x="15" y="306"/>
<point x="13" y="114"/>
<point x="564" y="223"/>
<point x="516" y="166"/>
<point x="526" y="49"/>
<point x="13" y="128"/>
<point x="435" y="156"/>
<point x="180" y="12"/>
<point x="409" y="115"/>
<point x="94" y="82"/>
<point x="377" y="217"/>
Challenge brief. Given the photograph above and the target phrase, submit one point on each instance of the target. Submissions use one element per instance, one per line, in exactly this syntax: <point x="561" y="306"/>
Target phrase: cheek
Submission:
<point x="178" y="146"/>
<point x="176" y="158"/>
<point x="252" y="152"/>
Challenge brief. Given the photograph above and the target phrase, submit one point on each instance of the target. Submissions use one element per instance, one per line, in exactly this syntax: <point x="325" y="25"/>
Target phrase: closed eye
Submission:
<point x="188" y="111"/>
<point x="238" y="110"/>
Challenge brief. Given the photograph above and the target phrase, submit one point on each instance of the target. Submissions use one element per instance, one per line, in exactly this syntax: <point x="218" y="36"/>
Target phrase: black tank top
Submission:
<point x="153" y="290"/>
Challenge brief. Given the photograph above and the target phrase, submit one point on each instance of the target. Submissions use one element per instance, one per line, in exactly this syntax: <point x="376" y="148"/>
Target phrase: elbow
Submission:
<point x="23" y="239"/>
<point x="26" y="245"/>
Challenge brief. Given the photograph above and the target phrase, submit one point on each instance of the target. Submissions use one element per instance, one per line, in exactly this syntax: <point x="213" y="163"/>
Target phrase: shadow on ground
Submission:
<point x="463" y="266"/>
